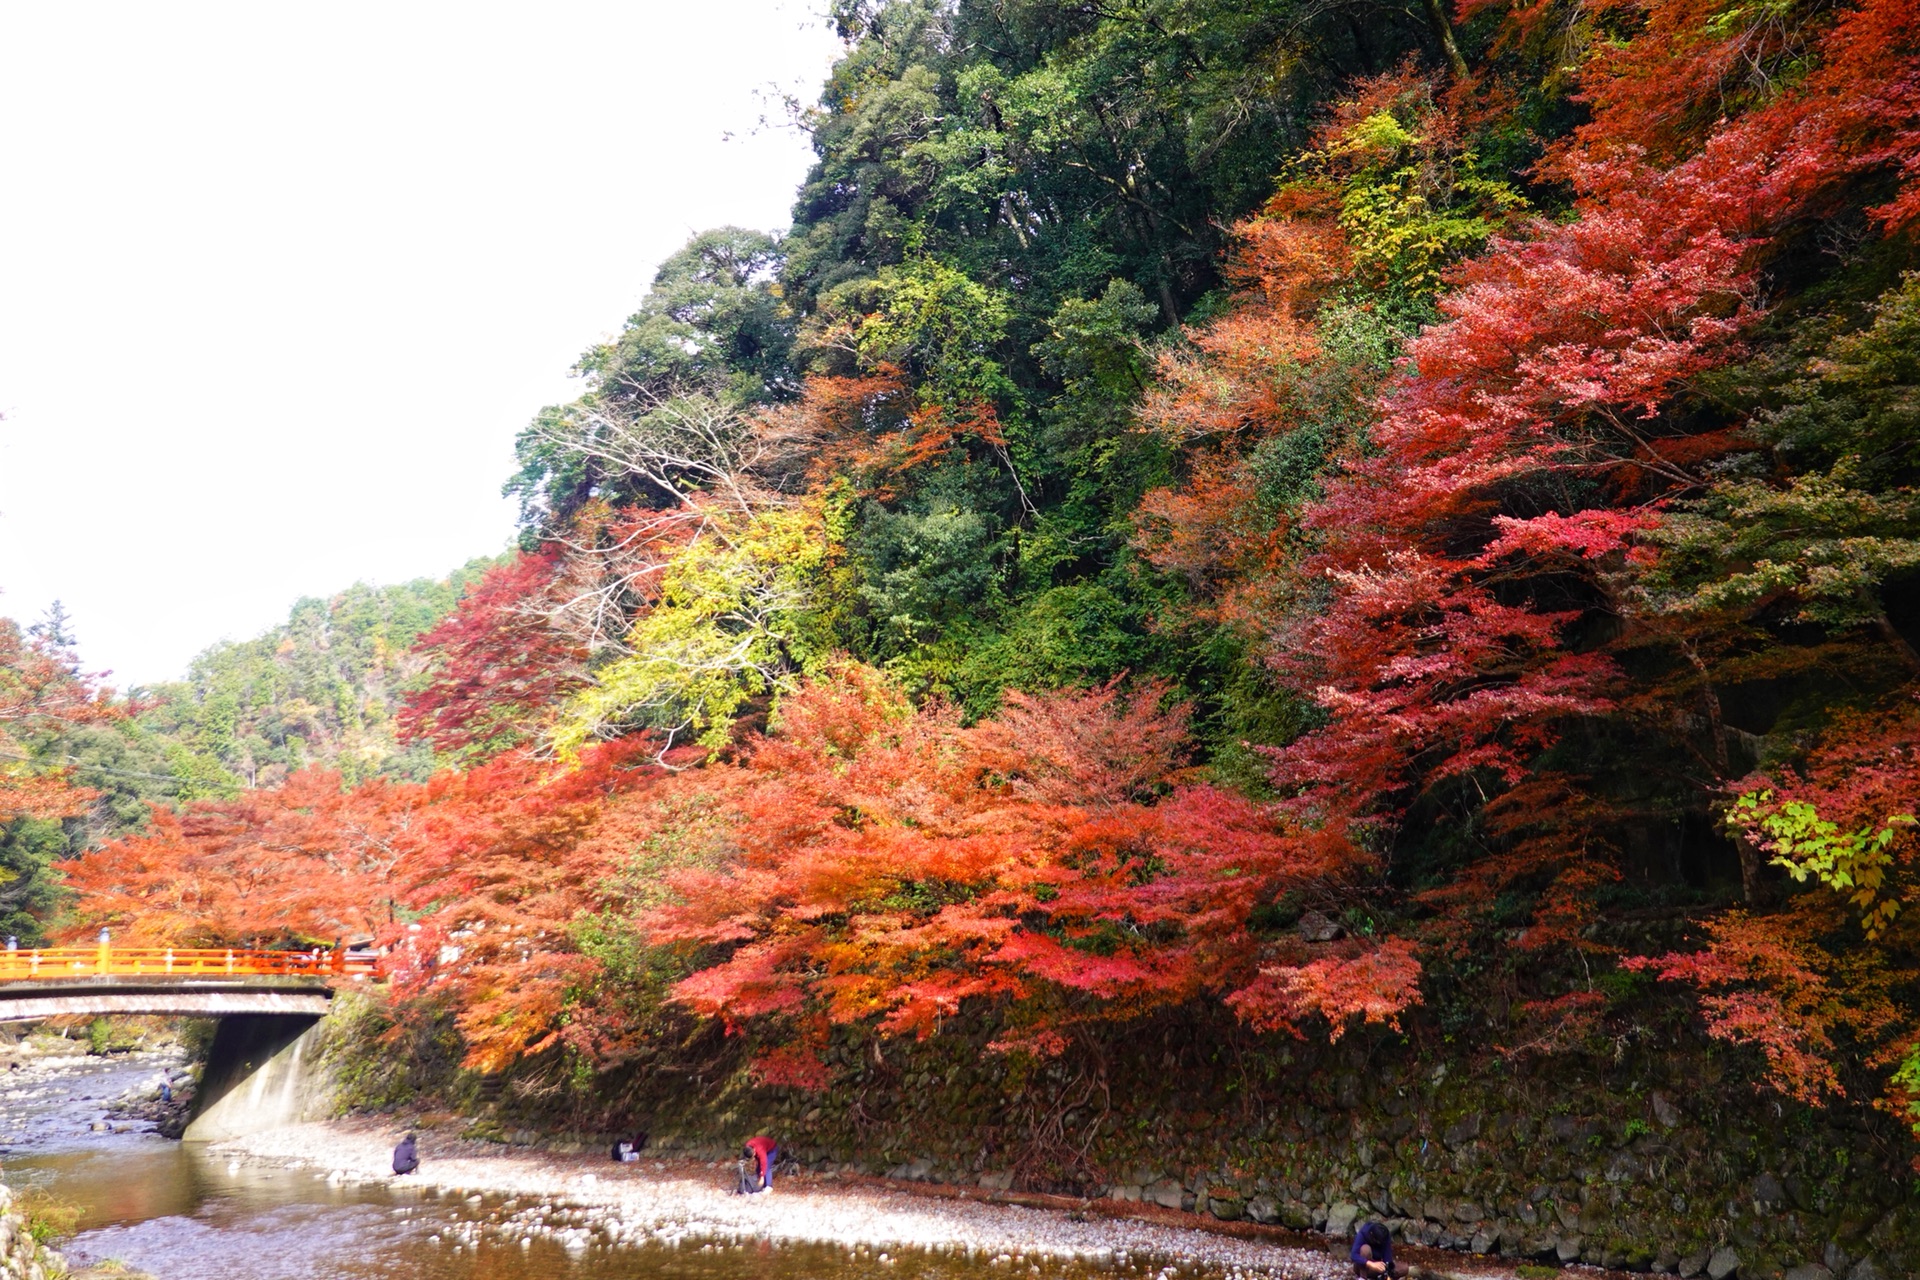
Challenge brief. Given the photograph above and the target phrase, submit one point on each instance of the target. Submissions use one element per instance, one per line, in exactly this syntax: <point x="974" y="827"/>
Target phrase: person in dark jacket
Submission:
<point x="1373" y="1253"/>
<point x="757" y="1158"/>
<point x="406" y="1156"/>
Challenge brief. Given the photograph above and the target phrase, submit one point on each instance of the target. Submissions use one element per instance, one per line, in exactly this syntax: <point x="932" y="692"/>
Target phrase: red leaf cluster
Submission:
<point x="41" y="692"/>
<point x="894" y="865"/>
<point x="498" y="662"/>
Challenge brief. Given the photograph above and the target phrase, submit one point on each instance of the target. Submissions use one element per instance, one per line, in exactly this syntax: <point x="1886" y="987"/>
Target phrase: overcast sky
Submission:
<point x="279" y="282"/>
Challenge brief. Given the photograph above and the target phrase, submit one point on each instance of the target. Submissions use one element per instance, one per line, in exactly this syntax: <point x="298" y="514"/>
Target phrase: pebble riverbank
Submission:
<point x="583" y="1201"/>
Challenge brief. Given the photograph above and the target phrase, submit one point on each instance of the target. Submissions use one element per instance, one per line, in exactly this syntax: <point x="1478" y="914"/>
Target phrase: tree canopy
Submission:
<point x="1190" y="468"/>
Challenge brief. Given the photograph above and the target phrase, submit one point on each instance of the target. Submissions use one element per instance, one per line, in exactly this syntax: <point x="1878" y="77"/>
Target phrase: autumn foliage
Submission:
<point x="1517" y="484"/>
<point x="895" y="865"/>
<point x="41" y="691"/>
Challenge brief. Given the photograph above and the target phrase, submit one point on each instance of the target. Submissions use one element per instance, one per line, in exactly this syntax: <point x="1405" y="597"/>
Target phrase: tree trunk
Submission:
<point x="1750" y="864"/>
<point x="1443" y="32"/>
<point x="1892" y="636"/>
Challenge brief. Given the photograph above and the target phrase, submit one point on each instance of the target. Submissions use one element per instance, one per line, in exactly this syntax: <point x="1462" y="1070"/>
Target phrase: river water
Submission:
<point x="176" y="1211"/>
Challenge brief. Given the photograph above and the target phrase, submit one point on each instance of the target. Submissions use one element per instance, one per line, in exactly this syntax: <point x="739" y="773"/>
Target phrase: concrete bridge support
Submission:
<point x="265" y="1067"/>
<point x="263" y="1070"/>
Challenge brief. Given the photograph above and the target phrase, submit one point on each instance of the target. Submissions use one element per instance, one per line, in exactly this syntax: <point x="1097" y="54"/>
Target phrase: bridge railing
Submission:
<point x="47" y="963"/>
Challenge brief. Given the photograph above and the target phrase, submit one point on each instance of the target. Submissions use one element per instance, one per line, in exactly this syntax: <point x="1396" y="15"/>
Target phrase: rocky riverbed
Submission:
<point x="584" y="1201"/>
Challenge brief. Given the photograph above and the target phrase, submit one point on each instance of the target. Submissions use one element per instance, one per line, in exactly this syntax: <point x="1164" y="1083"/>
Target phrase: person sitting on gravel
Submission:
<point x="406" y="1156"/>
<point x="756" y="1164"/>
<point x="1373" y="1252"/>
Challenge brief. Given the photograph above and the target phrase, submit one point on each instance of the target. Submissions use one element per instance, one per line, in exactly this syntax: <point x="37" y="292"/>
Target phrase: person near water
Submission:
<point x="1373" y="1252"/>
<point x="762" y="1151"/>
<point x="406" y="1156"/>
<point x="622" y="1151"/>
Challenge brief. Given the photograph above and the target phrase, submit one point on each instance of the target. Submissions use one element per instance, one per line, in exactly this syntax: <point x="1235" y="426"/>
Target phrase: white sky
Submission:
<point x="279" y="282"/>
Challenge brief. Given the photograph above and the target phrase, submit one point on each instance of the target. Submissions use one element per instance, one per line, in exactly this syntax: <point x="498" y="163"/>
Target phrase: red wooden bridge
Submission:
<point x="47" y="964"/>
<point x="260" y="1069"/>
<point x="47" y="982"/>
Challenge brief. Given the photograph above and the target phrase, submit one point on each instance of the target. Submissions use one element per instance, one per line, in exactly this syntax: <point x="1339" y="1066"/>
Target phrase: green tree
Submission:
<point x="713" y="325"/>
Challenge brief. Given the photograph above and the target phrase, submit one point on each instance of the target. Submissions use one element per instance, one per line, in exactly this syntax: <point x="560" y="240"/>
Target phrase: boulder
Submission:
<point x="1263" y="1209"/>
<point x="1768" y="1191"/>
<point x="1693" y="1264"/>
<point x="1226" y="1208"/>
<point x="1462" y="1131"/>
<point x="1866" y="1269"/>
<point x="1808" y="1271"/>
<point x="1166" y="1193"/>
<point x="1668" y="1115"/>
<point x="1003" y="1181"/>
<point x="1467" y="1211"/>
<point x="1724" y="1262"/>
<point x="1566" y="1248"/>
<point x="1341" y="1217"/>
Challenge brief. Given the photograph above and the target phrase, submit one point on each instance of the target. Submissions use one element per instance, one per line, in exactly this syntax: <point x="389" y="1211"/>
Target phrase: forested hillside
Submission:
<point x="1316" y="514"/>
<point x="321" y="689"/>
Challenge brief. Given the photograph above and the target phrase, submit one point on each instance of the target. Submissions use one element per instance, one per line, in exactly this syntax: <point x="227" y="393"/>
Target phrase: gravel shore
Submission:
<point x="583" y="1200"/>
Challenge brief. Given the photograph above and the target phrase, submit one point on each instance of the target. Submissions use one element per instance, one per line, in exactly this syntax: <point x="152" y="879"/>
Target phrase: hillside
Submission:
<point x="1381" y="527"/>
<point x="321" y="689"/>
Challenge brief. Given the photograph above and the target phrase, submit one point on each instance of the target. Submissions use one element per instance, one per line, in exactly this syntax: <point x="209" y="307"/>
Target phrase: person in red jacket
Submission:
<point x="762" y="1151"/>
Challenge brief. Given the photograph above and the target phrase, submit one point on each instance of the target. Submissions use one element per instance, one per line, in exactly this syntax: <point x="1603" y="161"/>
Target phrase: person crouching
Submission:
<point x="757" y="1156"/>
<point x="406" y="1156"/>
<point x="1372" y="1253"/>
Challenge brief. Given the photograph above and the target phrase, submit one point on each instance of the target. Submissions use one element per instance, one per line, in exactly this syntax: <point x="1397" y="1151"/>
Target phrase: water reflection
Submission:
<point x="183" y="1216"/>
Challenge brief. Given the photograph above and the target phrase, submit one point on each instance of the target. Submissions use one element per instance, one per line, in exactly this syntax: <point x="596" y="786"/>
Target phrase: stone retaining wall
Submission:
<point x="1658" y="1153"/>
<point x="21" y="1256"/>
<point x="1668" y="1161"/>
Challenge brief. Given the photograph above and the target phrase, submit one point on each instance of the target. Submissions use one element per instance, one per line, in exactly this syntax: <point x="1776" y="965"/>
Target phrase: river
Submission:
<point x="181" y="1212"/>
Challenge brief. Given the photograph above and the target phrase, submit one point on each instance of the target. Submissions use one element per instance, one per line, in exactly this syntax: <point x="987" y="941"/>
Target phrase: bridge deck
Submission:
<point x="171" y="981"/>
<point x="188" y="998"/>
